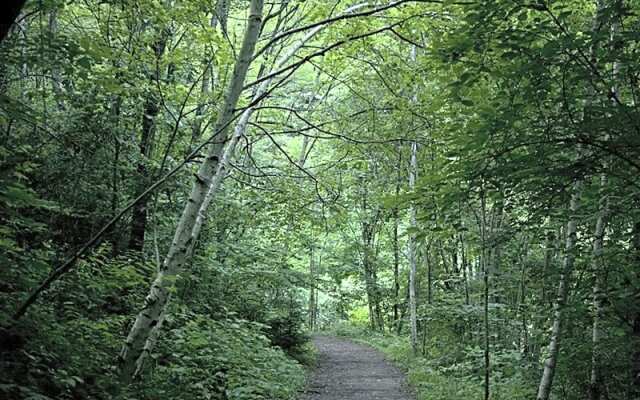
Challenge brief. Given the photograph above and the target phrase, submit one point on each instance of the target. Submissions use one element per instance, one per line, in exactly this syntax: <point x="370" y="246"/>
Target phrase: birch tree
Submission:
<point x="133" y="350"/>
<point x="544" y="388"/>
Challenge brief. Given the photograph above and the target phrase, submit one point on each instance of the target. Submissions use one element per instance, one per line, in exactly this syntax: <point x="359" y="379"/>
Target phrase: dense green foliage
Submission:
<point x="489" y="146"/>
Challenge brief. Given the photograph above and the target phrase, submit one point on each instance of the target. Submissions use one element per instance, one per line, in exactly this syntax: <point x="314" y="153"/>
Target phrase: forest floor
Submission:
<point x="352" y="371"/>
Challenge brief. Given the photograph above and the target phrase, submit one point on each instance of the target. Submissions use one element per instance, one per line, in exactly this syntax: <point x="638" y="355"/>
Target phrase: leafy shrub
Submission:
<point x="228" y="359"/>
<point x="45" y="355"/>
<point x="285" y="329"/>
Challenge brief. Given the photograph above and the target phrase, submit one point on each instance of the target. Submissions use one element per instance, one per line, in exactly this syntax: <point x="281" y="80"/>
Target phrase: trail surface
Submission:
<point x="351" y="371"/>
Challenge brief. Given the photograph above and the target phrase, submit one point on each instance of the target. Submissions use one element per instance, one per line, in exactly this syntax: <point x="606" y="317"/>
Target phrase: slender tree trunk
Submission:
<point x="377" y="302"/>
<point x="155" y="304"/>
<point x="114" y="113"/>
<point x="429" y="262"/>
<point x="549" y="251"/>
<point x="412" y="253"/>
<point x="595" y="384"/>
<point x="312" y="292"/>
<point x="487" y="360"/>
<point x="396" y="251"/>
<point x="485" y="294"/>
<point x="523" y="309"/>
<point x="147" y="136"/>
<point x="544" y="389"/>
<point x="546" y="381"/>
<point x="396" y="270"/>
<point x="520" y="306"/>
<point x="139" y="211"/>
<point x="367" y="233"/>
<point x="425" y="325"/>
<point x="465" y="262"/>
<point x="404" y="309"/>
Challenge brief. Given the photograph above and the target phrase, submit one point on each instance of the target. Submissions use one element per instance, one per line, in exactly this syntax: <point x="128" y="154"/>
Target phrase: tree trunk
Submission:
<point x="412" y="253"/>
<point x="485" y="295"/>
<point x="155" y="304"/>
<point x="595" y="384"/>
<point x="147" y="136"/>
<point x="312" y="292"/>
<point x="396" y="250"/>
<point x="429" y="262"/>
<point x="549" y="252"/>
<point x="370" y="284"/>
<point x="544" y="389"/>
<point x="465" y="262"/>
<point x="139" y="211"/>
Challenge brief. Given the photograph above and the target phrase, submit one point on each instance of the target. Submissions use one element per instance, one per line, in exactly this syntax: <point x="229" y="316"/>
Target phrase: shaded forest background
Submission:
<point x="189" y="188"/>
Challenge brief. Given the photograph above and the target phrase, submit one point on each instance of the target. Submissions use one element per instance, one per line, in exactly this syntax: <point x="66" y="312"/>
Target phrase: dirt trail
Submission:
<point x="351" y="371"/>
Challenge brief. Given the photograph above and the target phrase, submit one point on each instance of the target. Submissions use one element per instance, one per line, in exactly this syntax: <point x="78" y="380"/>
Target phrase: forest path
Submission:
<point x="351" y="371"/>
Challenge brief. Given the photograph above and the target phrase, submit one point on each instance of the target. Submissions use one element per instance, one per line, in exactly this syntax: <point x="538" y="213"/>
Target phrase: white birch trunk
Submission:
<point x="563" y="287"/>
<point x="134" y="349"/>
<point x="544" y="388"/>
<point x="412" y="253"/>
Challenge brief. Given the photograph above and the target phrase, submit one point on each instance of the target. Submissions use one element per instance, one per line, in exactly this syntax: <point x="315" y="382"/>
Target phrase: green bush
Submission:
<point x="229" y="359"/>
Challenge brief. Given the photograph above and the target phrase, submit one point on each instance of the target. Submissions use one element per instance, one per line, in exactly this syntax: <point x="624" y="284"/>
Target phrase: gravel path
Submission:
<point x="351" y="371"/>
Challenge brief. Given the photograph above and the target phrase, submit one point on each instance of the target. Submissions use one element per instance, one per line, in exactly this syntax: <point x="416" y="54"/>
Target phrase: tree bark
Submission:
<point x="147" y="136"/>
<point x="396" y="252"/>
<point x="429" y="262"/>
<point x="465" y="262"/>
<point x="312" y="292"/>
<point x="368" y="232"/>
<point x="595" y="384"/>
<point x="156" y="301"/>
<point x="412" y="253"/>
<point x="544" y="388"/>
<point x="139" y="211"/>
<point x="485" y="293"/>
<point x="549" y="252"/>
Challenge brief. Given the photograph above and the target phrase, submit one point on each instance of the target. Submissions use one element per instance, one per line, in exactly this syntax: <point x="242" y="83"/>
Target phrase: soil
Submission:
<point x="352" y="371"/>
